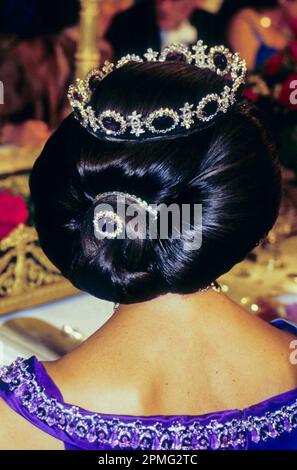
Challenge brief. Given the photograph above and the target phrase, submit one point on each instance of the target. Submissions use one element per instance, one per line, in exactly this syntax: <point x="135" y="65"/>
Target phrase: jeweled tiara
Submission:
<point x="163" y="122"/>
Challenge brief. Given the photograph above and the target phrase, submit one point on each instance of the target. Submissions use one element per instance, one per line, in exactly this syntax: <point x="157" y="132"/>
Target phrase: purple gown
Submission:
<point x="29" y="391"/>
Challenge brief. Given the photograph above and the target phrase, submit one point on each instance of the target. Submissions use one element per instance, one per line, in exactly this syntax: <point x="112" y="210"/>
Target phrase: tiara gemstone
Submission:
<point x="77" y="96"/>
<point x="110" y="124"/>
<point x="93" y="82"/>
<point x="163" y="123"/>
<point x="176" y="53"/>
<point x="220" y="61"/>
<point x="229" y="81"/>
<point x="176" y="56"/>
<point x="210" y="108"/>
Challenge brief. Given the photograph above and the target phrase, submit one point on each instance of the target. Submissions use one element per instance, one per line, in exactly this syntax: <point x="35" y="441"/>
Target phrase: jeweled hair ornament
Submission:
<point x="113" y="225"/>
<point x="112" y="219"/>
<point x="164" y="122"/>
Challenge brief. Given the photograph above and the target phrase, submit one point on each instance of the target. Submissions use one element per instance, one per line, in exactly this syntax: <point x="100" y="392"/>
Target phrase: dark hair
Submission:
<point x="230" y="168"/>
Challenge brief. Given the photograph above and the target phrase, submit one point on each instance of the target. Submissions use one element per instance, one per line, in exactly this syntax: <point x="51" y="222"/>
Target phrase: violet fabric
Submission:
<point x="272" y="424"/>
<point x="292" y="312"/>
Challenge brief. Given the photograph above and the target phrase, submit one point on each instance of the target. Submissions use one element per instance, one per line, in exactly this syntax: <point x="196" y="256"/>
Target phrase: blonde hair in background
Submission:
<point x="212" y="6"/>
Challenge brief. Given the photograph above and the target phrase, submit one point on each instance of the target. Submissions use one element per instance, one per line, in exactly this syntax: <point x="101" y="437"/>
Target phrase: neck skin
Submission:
<point x="167" y="318"/>
<point x="156" y="357"/>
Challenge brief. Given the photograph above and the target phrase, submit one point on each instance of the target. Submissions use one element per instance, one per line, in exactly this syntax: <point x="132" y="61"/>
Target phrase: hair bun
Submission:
<point x="124" y="261"/>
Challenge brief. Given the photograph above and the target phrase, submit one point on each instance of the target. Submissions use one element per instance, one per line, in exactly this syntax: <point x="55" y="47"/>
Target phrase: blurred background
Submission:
<point x="44" y="46"/>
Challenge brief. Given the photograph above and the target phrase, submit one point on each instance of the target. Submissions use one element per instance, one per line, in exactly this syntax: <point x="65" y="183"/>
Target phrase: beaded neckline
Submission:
<point x="119" y="432"/>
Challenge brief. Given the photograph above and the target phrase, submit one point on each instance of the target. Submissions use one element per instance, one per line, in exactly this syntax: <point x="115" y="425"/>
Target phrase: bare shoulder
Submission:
<point x="271" y="358"/>
<point x="18" y="434"/>
<point x="281" y="346"/>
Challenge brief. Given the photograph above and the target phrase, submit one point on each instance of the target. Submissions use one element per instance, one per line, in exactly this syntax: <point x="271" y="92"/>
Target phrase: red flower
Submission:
<point x="250" y="94"/>
<point x="294" y="25"/>
<point x="288" y="93"/>
<point x="273" y="65"/>
<point x="293" y="49"/>
<point x="13" y="211"/>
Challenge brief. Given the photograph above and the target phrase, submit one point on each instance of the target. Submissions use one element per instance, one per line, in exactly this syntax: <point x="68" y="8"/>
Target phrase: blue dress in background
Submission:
<point x="264" y="54"/>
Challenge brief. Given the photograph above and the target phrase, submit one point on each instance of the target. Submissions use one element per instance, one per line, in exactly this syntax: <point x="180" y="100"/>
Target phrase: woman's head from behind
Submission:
<point x="230" y="168"/>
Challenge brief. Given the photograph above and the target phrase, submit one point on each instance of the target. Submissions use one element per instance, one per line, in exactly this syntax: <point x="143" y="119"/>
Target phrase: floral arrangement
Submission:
<point x="27" y="277"/>
<point x="274" y="89"/>
<point x="15" y="208"/>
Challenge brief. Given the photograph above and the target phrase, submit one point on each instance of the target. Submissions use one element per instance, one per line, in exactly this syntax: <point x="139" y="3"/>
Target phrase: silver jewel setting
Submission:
<point x="213" y="98"/>
<point x="134" y="121"/>
<point x="134" y="433"/>
<point x="180" y="49"/>
<point x="215" y="286"/>
<point x="128" y="58"/>
<point x="117" y="119"/>
<point x="151" y="56"/>
<point x="187" y="115"/>
<point x="227" y="57"/>
<point x="116" y="221"/>
<point x="161" y="113"/>
<point x="135" y="199"/>
<point x="217" y="59"/>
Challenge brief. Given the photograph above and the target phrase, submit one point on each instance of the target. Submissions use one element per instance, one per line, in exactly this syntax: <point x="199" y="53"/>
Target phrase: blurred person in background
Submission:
<point x="258" y="29"/>
<point x="36" y="65"/>
<point x="158" y="23"/>
<point x="35" y="72"/>
<point x="209" y="5"/>
<point x="38" y="41"/>
<point x="108" y="9"/>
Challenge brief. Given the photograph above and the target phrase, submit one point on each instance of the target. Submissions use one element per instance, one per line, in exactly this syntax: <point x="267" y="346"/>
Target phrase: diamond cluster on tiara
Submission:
<point x="111" y="124"/>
